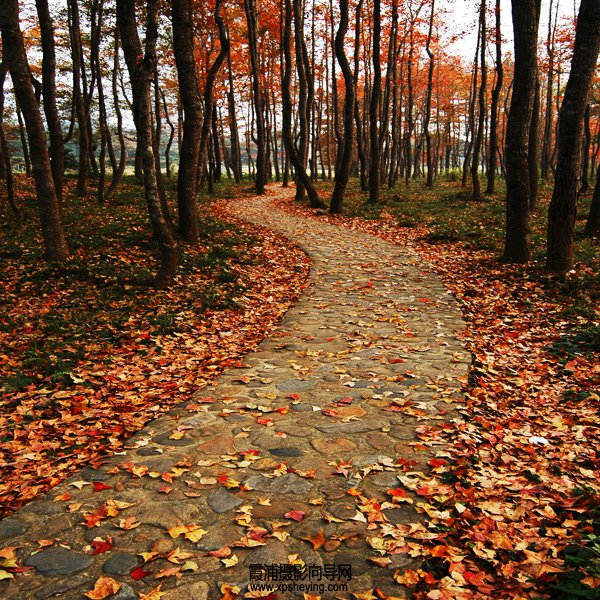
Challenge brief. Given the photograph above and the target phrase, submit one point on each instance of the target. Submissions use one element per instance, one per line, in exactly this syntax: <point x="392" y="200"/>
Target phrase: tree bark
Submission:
<point x="587" y="140"/>
<point x="493" y="141"/>
<point x="210" y="81"/>
<point x="78" y="98"/>
<point x="16" y="59"/>
<point x="478" y="137"/>
<point x="429" y="182"/>
<point x="563" y="206"/>
<point x="374" y="163"/>
<point x="261" y="150"/>
<point x="592" y="226"/>
<point x="517" y="235"/>
<point x="343" y="172"/>
<point x="57" y="150"/>
<point x="292" y="153"/>
<point x="141" y="64"/>
<point x="5" y="152"/>
<point x="183" y="50"/>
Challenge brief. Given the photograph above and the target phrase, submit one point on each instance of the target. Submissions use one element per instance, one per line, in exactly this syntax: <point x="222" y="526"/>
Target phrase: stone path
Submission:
<point x="273" y="453"/>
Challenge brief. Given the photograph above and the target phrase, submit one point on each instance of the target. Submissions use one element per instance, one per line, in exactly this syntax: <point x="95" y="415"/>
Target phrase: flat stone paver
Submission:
<point x="288" y="458"/>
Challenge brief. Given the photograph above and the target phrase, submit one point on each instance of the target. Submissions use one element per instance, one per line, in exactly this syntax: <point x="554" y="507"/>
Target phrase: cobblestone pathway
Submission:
<point x="264" y="465"/>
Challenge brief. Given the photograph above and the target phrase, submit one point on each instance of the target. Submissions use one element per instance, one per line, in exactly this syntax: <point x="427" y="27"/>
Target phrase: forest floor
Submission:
<point x="509" y="506"/>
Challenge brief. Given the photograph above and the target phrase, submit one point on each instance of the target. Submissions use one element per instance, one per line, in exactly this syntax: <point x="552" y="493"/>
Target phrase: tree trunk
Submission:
<point x="563" y="207"/>
<point x="141" y="64"/>
<point x="57" y="150"/>
<point x="427" y="120"/>
<point x="525" y="25"/>
<point x="120" y="170"/>
<point x="210" y="81"/>
<point x="533" y="156"/>
<point x="493" y="142"/>
<point x="5" y="152"/>
<point x="342" y="175"/>
<point x="14" y="54"/>
<point x="478" y="138"/>
<point x="292" y="153"/>
<point x="592" y="226"/>
<point x="236" y="153"/>
<point x="587" y="140"/>
<point x="261" y="155"/>
<point x="183" y="50"/>
<point x="78" y="99"/>
<point x="547" y="140"/>
<point x="374" y="161"/>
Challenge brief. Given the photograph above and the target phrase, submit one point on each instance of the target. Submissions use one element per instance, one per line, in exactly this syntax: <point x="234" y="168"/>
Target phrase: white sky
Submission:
<point x="462" y="17"/>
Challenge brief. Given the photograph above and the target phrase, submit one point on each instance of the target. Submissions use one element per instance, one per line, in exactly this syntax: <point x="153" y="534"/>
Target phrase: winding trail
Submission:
<point x="367" y="359"/>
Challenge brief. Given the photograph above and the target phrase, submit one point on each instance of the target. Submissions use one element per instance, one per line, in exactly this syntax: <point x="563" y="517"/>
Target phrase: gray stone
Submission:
<point x="148" y="451"/>
<point x="222" y="501"/>
<point x="197" y="590"/>
<point x="58" y="561"/>
<point x="120" y="563"/>
<point x="89" y="474"/>
<point x="302" y="407"/>
<point x="219" y="537"/>
<point x="125" y="593"/>
<point x="295" y="385"/>
<point x="11" y="527"/>
<point x="57" y="589"/>
<point x="273" y="553"/>
<point x="41" y="507"/>
<point x="165" y="440"/>
<point x="285" y="451"/>
<point x="285" y="484"/>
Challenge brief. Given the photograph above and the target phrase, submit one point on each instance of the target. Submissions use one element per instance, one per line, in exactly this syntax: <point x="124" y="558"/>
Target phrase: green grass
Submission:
<point x="56" y="313"/>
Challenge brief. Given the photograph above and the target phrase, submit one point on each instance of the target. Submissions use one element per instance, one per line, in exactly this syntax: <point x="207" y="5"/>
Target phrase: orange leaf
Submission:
<point x="103" y="588"/>
<point x="316" y="540"/>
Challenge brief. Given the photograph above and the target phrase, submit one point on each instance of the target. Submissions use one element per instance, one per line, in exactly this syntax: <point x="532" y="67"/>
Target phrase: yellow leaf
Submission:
<point x="230" y="562"/>
<point x="154" y="594"/>
<point x="6" y="575"/>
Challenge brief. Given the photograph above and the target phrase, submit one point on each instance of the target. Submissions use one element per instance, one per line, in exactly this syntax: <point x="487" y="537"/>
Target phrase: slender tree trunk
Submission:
<point x="183" y="49"/>
<point x="493" y="142"/>
<point x="292" y="153"/>
<point x="478" y="141"/>
<point x="525" y="25"/>
<point x="261" y="156"/>
<point x="374" y="162"/>
<point x="57" y="150"/>
<point x="427" y="120"/>
<point x="547" y="141"/>
<point x="587" y="140"/>
<point x="120" y="170"/>
<point x="16" y="59"/>
<point x="592" y="226"/>
<point x="5" y="152"/>
<point x="23" y="138"/>
<point x="533" y="156"/>
<point x="563" y="206"/>
<point x="169" y="145"/>
<point x="78" y="98"/>
<point x="210" y="81"/>
<point x="341" y="179"/>
<point x="236" y="153"/>
<point x="360" y="144"/>
<point x="141" y="64"/>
